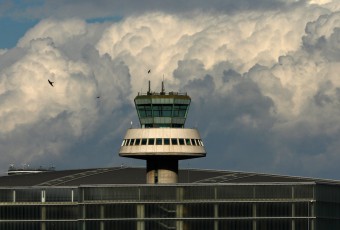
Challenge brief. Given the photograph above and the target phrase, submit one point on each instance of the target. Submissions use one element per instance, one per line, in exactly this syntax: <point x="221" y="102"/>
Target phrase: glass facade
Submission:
<point x="167" y="110"/>
<point x="279" y="206"/>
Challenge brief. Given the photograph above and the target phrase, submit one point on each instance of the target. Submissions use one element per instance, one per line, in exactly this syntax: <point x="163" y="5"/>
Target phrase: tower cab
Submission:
<point x="162" y="140"/>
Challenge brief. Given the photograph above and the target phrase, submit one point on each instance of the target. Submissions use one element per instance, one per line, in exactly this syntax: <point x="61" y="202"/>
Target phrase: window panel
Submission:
<point x="137" y="142"/>
<point x="144" y="141"/>
<point x="274" y="209"/>
<point x="166" y="141"/>
<point x="158" y="141"/>
<point x="144" y="110"/>
<point x="148" y="113"/>
<point x="237" y="209"/>
<point x="151" y="141"/>
<point x="181" y="141"/>
<point x="157" y="110"/>
<point x="187" y="142"/>
<point x="142" y="113"/>
<point x="167" y="111"/>
<point x="193" y="141"/>
<point x="174" y="141"/>
<point x="132" y="141"/>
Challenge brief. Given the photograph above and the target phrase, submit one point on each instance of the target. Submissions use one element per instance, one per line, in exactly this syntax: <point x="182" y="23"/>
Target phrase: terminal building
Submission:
<point x="162" y="196"/>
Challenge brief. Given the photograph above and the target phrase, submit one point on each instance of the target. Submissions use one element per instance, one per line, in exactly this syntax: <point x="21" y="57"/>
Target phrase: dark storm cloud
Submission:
<point x="235" y="125"/>
<point x="322" y="38"/>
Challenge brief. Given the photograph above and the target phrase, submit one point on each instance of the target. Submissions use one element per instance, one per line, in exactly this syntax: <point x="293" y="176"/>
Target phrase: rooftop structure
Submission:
<point x="25" y="169"/>
<point x="135" y="176"/>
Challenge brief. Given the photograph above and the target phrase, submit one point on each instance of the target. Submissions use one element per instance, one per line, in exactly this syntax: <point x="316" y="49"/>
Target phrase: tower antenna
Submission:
<point x="149" y="91"/>
<point x="163" y="89"/>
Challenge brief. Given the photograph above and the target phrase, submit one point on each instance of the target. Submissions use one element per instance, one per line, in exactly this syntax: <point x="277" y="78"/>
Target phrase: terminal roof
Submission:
<point x="132" y="175"/>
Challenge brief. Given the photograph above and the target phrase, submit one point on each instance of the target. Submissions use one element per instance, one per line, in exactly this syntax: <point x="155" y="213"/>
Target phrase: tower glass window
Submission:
<point x="167" y="111"/>
<point x="166" y="141"/>
<point x="181" y="141"/>
<point x="157" y="110"/>
<point x="144" y="141"/>
<point x="144" y="110"/>
<point x="180" y="110"/>
<point x="132" y="141"/>
<point x="158" y="141"/>
<point x="187" y="142"/>
<point x="151" y="141"/>
<point x="174" y="141"/>
<point x="162" y="110"/>
<point x="193" y="141"/>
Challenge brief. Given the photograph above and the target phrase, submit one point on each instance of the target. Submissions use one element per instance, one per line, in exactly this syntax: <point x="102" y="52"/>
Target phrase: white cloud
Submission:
<point x="41" y="121"/>
<point x="61" y="31"/>
<point x="264" y="86"/>
<point x="159" y="41"/>
<point x="319" y="2"/>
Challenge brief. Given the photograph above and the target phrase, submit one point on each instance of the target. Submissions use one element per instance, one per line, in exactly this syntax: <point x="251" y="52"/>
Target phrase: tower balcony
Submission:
<point x="179" y="143"/>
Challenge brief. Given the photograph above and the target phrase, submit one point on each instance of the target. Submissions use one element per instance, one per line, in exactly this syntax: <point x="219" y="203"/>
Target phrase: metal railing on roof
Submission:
<point x="162" y="93"/>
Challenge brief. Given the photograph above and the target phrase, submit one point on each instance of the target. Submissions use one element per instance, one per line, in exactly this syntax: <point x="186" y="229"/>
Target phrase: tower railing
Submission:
<point x="161" y="94"/>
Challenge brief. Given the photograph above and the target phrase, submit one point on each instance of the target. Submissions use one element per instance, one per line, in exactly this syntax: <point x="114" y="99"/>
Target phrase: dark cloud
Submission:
<point x="230" y="75"/>
<point x="235" y="126"/>
<point x="321" y="38"/>
<point x="321" y="98"/>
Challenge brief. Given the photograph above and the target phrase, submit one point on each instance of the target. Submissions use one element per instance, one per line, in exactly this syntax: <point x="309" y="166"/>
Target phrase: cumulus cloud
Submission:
<point x="264" y="86"/>
<point x="38" y="120"/>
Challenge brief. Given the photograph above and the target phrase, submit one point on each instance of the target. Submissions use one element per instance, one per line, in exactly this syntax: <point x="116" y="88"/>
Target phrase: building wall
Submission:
<point x="269" y="206"/>
<point x="327" y="206"/>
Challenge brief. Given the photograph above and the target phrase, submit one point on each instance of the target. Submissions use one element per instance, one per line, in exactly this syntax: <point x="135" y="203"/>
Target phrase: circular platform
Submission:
<point x="180" y="143"/>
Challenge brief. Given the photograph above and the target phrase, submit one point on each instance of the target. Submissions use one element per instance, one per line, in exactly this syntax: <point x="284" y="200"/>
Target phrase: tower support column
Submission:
<point x="140" y="216"/>
<point x="102" y="216"/>
<point x="43" y="210"/>
<point x="162" y="170"/>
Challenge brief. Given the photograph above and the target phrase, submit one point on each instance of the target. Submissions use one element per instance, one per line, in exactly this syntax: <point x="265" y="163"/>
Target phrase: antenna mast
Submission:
<point x="163" y="90"/>
<point x="149" y="91"/>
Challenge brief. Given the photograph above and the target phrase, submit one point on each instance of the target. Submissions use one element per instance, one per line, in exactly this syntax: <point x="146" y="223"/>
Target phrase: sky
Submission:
<point x="263" y="77"/>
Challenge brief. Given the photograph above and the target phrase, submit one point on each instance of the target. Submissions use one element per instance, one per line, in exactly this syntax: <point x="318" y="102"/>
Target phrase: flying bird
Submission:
<point x="51" y="82"/>
<point x="149" y="71"/>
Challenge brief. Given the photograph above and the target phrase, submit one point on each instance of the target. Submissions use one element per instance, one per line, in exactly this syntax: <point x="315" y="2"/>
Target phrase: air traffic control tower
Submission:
<point x="162" y="139"/>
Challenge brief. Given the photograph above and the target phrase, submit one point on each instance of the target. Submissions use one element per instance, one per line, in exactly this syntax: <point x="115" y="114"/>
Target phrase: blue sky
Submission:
<point x="17" y="16"/>
<point x="262" y="76"/>
<point x="13" y="30"/>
